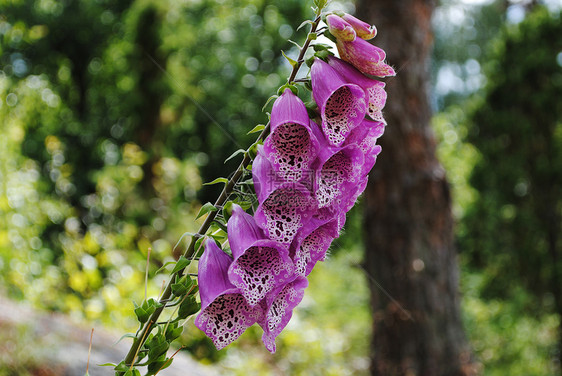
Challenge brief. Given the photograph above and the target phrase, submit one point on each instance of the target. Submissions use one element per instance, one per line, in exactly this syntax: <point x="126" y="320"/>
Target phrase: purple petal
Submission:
<point x="226" y="318"/>
<point x="224" y="315"/>
<point x="328" y="214"/>
<point x="279" y="307"/>
<point x="283" y="206"/>
<point x="312" y="243"/>
<point x="339" y="28"/>
<point x="290" y="147"/>
<point x="362" y="29"/>
<point x="375" y="89"/>
<point x="263" y="175"/>
<point x="342" y="105"/>
<point x="212" y="273"/>
<point x="338" y="170"/>
<point x="262" y="267"/>
<point x="365" y="57"/>
<point x="360" y="189"/>
<point x="242" y="231"/>
<point x="365" y="137"/>
<point x="284" y="211"/>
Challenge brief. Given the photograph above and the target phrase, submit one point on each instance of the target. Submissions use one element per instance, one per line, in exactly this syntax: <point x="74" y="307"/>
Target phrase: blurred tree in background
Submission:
<point x="410" y="252"/>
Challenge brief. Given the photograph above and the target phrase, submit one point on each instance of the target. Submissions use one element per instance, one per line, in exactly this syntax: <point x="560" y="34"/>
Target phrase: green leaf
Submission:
<point x="321" y="47"/>
<point x="227" y="210"/>
<point x="208" y="207"/>
<point x="320" y="3"/>
<point x="239" y="151"/>
<point x="217" y="181"/>
<point x="293" y="88"/>
<point x="128" y="335"/>
<point x="164" y="266"/>
<point x="220" y="225"/>
<point x="121" y="367"/>
<point x="253" y="150"/>
<point x="182" y="263"/>
<point x="182" y="286"/>
<point x="157" y="346"/>
<point x="323" y="54"/>
<point x="107" y="365"/>
<point x="198" y="248"/>
<point x="245" y="204"/>
<point x="173" y="331"/>
<point x="153" y="368"/>
<point x="188" y="307"/>
<point x="291" y="61"/>
<point x="295" y="43"/>
<point x="142" y="314"/>
<point x="273" y="97"/>
<point x="307" y="22"/>
<point x="257" y="128"/>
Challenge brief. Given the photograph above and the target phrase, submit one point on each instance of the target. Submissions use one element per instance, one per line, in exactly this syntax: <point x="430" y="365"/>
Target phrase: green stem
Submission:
<point x="227" y="190"/>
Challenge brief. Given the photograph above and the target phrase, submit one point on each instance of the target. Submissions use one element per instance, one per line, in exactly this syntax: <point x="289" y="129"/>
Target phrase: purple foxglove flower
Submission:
<point x="338" y="171"/>
<point x="260" y="265"/>
<point x="342" y="105"/>
<point x="225" y="314"/>
<point x="364" y="56"/>
<point x="339" y="28"/>
<point x="290" y="147"/>
<point x="365" y="137"/>
<point x="283" y="206"/>
<point x="362" y="29"/>
<point x="327" y="214"/>
<point x="376" y="95"/>
<point x="312" y="243"/>
<point x="278" y="309"/>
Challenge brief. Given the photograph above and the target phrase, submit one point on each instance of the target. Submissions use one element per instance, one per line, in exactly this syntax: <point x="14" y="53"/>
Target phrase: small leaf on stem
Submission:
<point x="208" y="207"/>
<point x="217" y="181"/>
<point x="257" y="128"/>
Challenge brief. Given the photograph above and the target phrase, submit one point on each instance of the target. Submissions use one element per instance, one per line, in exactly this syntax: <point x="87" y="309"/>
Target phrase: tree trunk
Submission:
<point x="410" y="256"/>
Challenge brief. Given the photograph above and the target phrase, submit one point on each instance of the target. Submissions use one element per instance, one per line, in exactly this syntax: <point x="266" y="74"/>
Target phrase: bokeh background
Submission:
<point x="114" y="112"/>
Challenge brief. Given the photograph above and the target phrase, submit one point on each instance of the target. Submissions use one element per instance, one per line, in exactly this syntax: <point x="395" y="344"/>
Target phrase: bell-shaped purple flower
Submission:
<point x="339" y="28"/>
<point x="278" y="309"/>
<point x="361" y="28"/>
<point x="365" y="137"/>
<point x="312" y="243"/>
<point x="365" y="57"/>
<point x="342" y="105"/>
<point x="260" y="265"/>
<point x="225" y="314"/>
<point x="283" y="206"/>
<point x="290" y="147"/>
<point x="338" y="171"/>
<point x="376" y="95"/>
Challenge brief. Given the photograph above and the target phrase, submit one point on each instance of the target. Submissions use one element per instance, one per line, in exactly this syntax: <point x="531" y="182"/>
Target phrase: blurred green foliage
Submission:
<point x="503" y="152"/>
<point x="112" y="115"/>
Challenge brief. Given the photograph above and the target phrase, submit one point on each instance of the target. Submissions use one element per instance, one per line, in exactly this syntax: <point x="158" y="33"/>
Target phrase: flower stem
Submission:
<point x="300" y="59"/>
<point x="227" y="190"/>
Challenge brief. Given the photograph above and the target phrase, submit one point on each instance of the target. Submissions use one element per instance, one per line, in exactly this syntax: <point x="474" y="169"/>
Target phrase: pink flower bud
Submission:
<point x="340" y="28"/>
<point x="362" y="29"/>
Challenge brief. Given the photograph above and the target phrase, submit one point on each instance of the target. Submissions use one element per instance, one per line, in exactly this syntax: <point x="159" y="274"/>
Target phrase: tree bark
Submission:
<point x="410" y="258"/>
